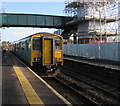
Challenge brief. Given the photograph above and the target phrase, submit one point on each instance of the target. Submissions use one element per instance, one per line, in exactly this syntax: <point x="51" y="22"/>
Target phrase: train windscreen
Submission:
<point x="58" y="45"/>
<point x="36" y="43"/>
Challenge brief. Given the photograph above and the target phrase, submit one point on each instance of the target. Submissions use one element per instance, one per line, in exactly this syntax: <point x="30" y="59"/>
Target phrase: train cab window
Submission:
<point x="36" y="43"/>
<point x="58" y="44"/>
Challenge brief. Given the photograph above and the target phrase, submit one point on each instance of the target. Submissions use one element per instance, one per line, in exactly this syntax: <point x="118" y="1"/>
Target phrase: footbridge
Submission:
<point x="33" y="20"/>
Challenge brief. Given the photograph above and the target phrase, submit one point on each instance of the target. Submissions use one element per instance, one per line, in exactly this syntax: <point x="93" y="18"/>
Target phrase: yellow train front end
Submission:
<point x="47" y="51"/>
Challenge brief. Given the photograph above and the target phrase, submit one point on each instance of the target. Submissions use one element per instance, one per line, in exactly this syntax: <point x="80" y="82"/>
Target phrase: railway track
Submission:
<point x="65" y="90"/>
<point x="62" y="86"/>
<point x="109" y="93"/>
<point x="87" y="92"/>
<point x="70" y="92"/>
<point x="84" y="97"/>
<point x="103" y="74"/>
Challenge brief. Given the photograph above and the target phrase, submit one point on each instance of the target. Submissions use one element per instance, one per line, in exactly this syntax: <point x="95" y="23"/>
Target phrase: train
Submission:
<point x="42" y="50"/>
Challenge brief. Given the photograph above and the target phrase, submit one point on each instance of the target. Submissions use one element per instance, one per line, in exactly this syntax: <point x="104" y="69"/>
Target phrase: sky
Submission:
<point x="47" y="8"/>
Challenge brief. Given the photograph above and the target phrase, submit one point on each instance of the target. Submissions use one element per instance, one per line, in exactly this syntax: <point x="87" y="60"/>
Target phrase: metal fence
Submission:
<point x="108" y="51"/>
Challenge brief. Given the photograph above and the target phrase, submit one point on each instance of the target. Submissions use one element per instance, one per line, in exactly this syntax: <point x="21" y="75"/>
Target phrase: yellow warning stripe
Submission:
<point x="30" y="93"/>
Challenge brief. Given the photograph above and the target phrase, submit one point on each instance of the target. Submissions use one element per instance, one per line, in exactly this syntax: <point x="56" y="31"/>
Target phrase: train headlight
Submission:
<point x="37" y="59"/>
<point x="57" y="59"/>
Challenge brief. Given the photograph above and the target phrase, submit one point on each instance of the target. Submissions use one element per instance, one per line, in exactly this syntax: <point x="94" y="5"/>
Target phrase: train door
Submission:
<point x="48" y="50"/>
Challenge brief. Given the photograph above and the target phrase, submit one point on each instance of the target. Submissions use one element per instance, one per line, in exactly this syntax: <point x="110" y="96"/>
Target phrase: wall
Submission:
<point x="108" y="51"/>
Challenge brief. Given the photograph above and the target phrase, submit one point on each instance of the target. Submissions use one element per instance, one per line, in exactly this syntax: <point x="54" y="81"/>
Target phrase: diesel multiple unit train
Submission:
<point x="43" y="50"/>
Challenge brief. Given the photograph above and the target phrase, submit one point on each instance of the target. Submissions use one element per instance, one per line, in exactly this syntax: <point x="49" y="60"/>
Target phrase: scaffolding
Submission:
<point x="2" y="7"/>
<point x="100" y="17"/>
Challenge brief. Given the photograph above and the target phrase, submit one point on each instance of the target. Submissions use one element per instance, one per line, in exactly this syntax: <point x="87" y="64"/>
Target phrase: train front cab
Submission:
<point x="50" y="53"/>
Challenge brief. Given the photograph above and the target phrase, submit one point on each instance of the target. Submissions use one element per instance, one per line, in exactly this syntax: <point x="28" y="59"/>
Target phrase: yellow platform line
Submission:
<point x="30" y="93"/>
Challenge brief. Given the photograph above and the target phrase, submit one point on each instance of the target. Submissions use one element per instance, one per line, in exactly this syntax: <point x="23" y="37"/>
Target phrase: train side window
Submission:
<point x="23" y="45"/>
<point x="36" y="43"/>
<point x="27" y="45"/>
<point x="19" y="45"/>
<point x="22" y="48"/>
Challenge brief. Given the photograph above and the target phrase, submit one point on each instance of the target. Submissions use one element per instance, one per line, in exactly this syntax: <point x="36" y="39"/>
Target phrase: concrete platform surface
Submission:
<point x="96" y="62"/>
<point x="20" y="85"/>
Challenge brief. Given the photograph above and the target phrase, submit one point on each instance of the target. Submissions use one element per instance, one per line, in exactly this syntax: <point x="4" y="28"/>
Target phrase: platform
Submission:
<point x="20" y="85"/>
<point x="115" y="65"/>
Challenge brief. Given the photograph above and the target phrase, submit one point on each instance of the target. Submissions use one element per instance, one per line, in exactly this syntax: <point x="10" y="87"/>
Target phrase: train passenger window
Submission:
<point x="23" y="46"/>
<point x="27" y="45"/>
<point x="57" y="44"/>
<point x="36" y="43"/>
<point x="19" y="45"/>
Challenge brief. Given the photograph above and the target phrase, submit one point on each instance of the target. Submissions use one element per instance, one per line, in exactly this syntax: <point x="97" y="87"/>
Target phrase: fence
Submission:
<point x="108" y="51"/>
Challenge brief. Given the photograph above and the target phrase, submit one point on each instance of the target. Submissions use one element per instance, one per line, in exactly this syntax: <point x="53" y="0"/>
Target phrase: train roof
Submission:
<point x="34" y="34"/>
